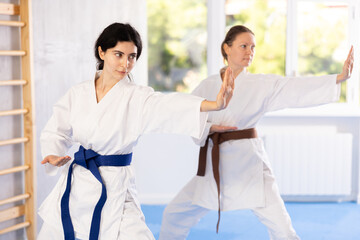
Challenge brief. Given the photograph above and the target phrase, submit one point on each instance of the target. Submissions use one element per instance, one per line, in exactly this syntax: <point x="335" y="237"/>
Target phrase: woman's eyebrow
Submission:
<point x="118" y="51"/>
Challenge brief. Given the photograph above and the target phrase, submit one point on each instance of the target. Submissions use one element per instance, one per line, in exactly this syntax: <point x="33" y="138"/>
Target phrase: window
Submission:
<point x="293" y="37"/>
<point x="177" y="44"/>
<point x="322" y="30"/>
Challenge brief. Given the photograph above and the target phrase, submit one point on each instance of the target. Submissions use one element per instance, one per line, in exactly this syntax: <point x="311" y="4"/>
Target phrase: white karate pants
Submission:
<point x="132" y="226"/>
<point x="181" y="215"/>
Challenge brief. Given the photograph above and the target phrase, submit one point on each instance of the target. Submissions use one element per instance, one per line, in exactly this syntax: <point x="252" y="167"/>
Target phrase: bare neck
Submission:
<point x="104" y="83"/>
<point x="237" y="71"/>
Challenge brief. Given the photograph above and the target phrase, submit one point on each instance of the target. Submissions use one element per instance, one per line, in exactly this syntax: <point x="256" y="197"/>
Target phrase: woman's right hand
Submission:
<point x="224" y="95"/>
<point x="347" y="68"/>
<point x="56" y="160"/>
<point x="219" y="128"/>
<point x="226" y="91"/>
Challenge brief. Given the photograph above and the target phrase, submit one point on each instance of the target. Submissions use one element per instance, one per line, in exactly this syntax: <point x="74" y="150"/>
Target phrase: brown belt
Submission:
<point x="218" y="138"/>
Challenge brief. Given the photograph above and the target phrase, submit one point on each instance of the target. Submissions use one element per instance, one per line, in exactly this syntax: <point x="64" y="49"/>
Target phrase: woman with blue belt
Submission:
<point x="95" y="197"/>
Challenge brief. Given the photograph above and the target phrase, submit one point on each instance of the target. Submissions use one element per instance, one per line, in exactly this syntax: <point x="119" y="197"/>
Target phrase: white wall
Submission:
<point x="163" y="165"/>
<point x="342" y="118"/>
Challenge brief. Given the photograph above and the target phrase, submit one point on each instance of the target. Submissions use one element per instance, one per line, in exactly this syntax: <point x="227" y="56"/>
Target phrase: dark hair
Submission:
<point x="231" y="35"/>
<point x="114" y="33"/>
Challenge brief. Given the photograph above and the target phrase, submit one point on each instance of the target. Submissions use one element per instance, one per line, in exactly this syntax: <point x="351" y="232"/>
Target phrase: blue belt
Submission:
<point x="89" y="160"/>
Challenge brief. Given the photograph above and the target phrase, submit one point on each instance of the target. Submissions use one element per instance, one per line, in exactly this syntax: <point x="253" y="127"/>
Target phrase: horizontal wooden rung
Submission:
<point x="14" y="199"/>
<point x="14" y="227"/>
<point x="12" y="23"/>
<point x="12" y="82"/>
<point x="14" y="169"/>
<point x="13" y="112"/>
<point x="12" y="53"/>
<point x="13" y="141"/>
<point x="9" y="9"/>
<point x="12" y="213"/>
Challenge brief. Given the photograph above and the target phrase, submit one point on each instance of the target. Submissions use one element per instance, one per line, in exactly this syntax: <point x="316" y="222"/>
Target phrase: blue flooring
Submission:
<point x="312" y="221"/>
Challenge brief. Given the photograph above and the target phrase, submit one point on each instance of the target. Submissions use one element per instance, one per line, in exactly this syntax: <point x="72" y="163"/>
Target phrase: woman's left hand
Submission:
<point x="347" y="68"/>
<point x="218" y="128"/>
<point x="56" y="160"/>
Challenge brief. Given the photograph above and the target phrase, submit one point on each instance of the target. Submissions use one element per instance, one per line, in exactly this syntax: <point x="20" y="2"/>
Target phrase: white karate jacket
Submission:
<point x="109" y="127"/>
<point x="241" y="161"/>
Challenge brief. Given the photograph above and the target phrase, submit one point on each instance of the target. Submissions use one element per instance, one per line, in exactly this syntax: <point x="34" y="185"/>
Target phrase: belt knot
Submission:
<point x="83" y="156"/>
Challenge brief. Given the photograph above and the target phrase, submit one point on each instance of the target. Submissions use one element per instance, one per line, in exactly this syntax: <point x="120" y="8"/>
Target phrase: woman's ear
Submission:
<point x="101" y="53"/>
<point x="226" y="49"/>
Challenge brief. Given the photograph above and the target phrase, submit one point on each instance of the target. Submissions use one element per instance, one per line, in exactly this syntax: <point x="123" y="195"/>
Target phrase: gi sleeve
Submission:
<point x="176" y="113"/>
<point x="296" y="92"/>
<point x="201" y="141"/>
<point x="55" y="138"/>
<point x="200" y="92"/>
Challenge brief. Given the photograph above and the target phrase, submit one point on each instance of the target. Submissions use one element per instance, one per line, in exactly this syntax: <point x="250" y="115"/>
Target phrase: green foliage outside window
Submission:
<point x="176" y="43"/>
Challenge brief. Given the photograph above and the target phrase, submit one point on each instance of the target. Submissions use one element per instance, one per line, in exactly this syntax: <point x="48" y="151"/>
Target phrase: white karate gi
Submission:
<point x="109" y="127"/>
<point x="246" y="179"/>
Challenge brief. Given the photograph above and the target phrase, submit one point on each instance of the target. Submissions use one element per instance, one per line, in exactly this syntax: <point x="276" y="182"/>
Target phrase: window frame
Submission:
<point x="216" y="24"/>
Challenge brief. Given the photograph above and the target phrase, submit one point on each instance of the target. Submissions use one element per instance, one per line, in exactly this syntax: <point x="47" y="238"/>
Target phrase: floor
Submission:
<point x="312" y="221"/>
